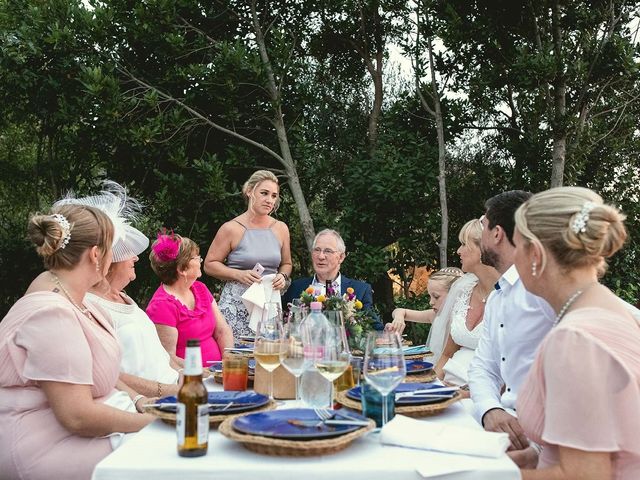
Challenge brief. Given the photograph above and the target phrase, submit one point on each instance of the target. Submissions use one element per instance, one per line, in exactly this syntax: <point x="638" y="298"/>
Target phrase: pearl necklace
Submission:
<point x="84" y="311"/>
<point x="569" y="302"/>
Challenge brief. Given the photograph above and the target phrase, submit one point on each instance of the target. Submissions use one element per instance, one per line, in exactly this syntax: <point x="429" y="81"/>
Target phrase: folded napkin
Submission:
<point x="256" y="296"/>
<point x="408" y="432"/>
<point x="415" y="350"/>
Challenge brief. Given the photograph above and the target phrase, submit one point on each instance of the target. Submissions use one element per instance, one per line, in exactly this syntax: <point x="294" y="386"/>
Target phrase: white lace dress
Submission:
<point x="457" y="366"/>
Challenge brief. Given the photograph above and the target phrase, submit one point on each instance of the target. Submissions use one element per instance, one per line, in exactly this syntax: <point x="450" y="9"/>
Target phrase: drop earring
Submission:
<point x="534" y="270"/>
<point x="97" y="266"/>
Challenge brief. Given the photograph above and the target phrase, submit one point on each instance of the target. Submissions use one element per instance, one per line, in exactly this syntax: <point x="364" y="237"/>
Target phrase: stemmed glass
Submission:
<point x="269" y="346"/>
<point x="332" y="355"/>
<point x="384" y="366"/>
<point x="294" y="359"/>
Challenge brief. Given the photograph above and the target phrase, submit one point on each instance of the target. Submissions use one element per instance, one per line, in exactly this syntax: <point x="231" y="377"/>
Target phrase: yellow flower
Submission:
<point x="321" y="298"/>
<point x="310" y="290"/>
<point x="358" y="305"/>
<point x="350" y="290"/>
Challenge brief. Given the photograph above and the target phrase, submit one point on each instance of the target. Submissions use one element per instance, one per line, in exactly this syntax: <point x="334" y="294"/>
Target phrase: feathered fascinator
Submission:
<point x="113" y="200"/>
<point x="167" y="247"/>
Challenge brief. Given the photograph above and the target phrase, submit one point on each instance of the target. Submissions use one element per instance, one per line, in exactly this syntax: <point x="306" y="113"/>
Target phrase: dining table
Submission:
<point x="152" y="454"/>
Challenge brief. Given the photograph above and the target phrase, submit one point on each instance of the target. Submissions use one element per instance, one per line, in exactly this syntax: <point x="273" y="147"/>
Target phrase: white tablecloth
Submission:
<point x="151" y="455"/>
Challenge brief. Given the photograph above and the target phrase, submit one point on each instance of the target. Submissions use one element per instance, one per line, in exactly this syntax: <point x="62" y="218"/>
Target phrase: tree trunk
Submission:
<point x="376" y="110"/>
<point x="559" y="102"/>
<point x="442" y="159"/>
<point x="278" y="122"/>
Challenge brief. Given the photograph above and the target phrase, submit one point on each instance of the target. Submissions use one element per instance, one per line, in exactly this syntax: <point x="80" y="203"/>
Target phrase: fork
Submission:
<point x="328" y="417"/>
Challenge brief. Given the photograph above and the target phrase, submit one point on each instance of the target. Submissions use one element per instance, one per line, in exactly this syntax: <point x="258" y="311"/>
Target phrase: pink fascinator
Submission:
<point x="166" y="247"/>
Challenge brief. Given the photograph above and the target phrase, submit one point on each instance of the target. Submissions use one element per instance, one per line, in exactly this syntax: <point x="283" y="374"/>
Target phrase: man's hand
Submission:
<point x="497" y="420"/>
<point x="526" y="458"/>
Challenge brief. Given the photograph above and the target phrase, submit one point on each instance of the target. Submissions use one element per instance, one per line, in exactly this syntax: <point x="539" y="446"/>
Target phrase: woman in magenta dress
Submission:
<point x="183" y="308"/>
<point x="581" y="400"/>
<point x="60" y="358"/>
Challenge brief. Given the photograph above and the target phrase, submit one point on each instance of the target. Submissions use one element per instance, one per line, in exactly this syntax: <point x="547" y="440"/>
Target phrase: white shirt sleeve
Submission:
<point x="485" y="380"/>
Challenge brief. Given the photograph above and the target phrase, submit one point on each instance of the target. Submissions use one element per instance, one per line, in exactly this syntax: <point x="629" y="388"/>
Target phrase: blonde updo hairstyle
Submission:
<point x="471" y="233"/>
<point x="89" y="227"/>
<point x="249" y="187"/>
<point x="447" y="276"/>
<point x="547" y="218"/>
<point x="168" y="272"/>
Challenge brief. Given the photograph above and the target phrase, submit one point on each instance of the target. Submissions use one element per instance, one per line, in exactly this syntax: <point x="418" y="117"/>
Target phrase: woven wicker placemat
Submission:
<point x="214" y="420"/>
<point x="426" y="377"/>
<point x="292" y="448"/>
<point x="408" y="410"/>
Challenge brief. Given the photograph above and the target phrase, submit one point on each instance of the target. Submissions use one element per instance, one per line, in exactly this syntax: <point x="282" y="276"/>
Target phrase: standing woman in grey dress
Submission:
<point x="250" y="238"/>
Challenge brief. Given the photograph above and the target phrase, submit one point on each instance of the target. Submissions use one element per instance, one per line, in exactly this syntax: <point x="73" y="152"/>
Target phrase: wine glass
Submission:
<point x="332" y="354"/>
<point x="293" y="358"/>
<point x="384" y="366"/>
<point x="269" y="346"/>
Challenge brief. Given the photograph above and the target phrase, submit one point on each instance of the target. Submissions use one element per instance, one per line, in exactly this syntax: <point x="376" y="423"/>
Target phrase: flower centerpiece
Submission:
<point x="357" y="320"/>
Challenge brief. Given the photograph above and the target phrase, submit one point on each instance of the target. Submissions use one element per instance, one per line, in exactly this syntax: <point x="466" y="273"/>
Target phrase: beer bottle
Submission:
<point x="192" y="417"/>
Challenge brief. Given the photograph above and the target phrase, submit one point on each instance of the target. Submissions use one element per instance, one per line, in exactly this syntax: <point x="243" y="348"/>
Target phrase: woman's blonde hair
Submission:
<point x="61" y="248"/>
<point x="249" y="187"/>
<point x="447" y="276"/>
<point x="552" y="221"/>
<point x="168" y="271"/>
<point x="471" y="232"/>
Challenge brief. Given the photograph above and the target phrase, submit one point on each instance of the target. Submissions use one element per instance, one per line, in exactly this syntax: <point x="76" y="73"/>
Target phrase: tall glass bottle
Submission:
<point x="314" y="389"/>
<point x="192" y="418"/>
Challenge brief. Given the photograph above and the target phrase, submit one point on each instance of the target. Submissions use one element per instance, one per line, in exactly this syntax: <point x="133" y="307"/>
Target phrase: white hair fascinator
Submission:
<point x="579" y="224"/>
<point x="113" y="200"/>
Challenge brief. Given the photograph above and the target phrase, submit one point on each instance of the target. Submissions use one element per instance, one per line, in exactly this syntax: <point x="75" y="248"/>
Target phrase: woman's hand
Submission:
<point x="247" y="277"/>
<point x="279" y="281"/>
<point x="398" y="325"/>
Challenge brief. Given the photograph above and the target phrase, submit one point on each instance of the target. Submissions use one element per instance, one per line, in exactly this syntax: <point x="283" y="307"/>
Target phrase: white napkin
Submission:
<point x="407" y="432"/>
<point x="257" y="295"/>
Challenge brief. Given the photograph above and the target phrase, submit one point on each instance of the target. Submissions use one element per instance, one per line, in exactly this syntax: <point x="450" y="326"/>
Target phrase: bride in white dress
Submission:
<point x="464" y="307"/>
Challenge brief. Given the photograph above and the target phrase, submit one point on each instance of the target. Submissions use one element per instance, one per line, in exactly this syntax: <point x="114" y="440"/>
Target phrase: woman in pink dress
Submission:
<point x="183" y="308"/>
<point x="581" y="400"/>
<point x="60" y="358"/>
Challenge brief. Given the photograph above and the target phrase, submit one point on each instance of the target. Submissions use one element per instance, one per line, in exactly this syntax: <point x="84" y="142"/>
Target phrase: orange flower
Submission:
<point x="350" y="290"/>
<point x="310" y="290"/>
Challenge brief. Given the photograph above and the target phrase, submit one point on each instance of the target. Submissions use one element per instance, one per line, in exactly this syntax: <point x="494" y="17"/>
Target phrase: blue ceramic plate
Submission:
<point x="217" y="366"/>
<point x="240" y="402"/>
<point x="355" y="394"/>
<point x="416" y="366"/>
<point x="242" y="348"/>
<point x="275" y="424"/>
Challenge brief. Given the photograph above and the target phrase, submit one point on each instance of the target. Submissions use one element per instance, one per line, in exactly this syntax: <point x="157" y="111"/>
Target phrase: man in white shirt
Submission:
<point x="515" y="322"/>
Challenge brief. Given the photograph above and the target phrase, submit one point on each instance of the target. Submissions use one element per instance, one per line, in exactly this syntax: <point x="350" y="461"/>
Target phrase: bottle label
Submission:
<point x="180" y="422"/>
<point x="203" y="424"/>
<point x="192" y="361"/>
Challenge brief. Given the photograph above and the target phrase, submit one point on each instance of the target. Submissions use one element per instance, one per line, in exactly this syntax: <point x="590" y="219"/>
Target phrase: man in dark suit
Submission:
<point x="327" y="254"/>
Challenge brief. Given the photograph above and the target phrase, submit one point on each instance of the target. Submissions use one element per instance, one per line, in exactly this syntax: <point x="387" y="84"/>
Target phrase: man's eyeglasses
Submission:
<point x="325" y="251"/>
<point x="198" y="257"/>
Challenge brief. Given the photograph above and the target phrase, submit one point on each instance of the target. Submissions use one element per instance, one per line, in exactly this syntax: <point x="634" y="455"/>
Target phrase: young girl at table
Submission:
<point x="438" y="287"/>
<point x="60" y="357"/>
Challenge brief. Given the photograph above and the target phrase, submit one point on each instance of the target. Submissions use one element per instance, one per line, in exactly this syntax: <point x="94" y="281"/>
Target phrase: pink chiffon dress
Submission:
<point x="43" y="337"/>
<point x="583" y="390"/>
<point x="200" y="323"/>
